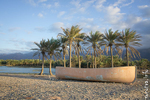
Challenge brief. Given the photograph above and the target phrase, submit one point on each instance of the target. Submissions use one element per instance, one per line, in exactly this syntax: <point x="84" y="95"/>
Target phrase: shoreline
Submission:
<point x="37" y="87"/>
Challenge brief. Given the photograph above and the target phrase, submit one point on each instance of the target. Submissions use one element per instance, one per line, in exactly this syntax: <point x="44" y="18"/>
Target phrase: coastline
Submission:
<point x="36" y="87"/>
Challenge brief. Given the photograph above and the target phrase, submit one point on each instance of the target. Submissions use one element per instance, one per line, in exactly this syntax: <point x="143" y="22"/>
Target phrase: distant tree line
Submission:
<point x="86" y="62"/>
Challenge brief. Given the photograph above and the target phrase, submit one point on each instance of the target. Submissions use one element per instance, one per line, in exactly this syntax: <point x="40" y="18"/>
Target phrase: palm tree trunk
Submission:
<point x="79" y="58"/>
<point x="127" y="57"/>
<point x="70" y="54"/>
<point x="111" y="51"/>
<point x="50" y="72"/>
<point x="87" y="64"/>
<point x="42" y="66"/>
<point x="64" y="61"/>
<point x="95" y="58"/>
<point x="92" y="60"/>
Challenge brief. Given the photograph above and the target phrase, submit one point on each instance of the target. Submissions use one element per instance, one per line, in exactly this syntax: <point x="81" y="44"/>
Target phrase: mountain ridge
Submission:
<point x="145" y="53"/>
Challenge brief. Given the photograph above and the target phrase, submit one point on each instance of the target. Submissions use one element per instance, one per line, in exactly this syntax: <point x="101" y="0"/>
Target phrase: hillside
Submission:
<point x="145" y="53"/>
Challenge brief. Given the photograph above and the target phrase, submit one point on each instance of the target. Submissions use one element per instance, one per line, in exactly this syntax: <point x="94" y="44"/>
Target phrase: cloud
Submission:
<point x="39" y="3"/>
<point x="145" y="41"/>
<point x="56" y="27"/>
<point x="113" y="15"/>
<point x="56" y="4"/>
<point x="129" y="22"/>
<point x="22" y="43"/>
<point x="46" y="5"/>
<point x="30" y="44"/>
<point x="88" y="19"/>
<point x="68" y="18"/>
<point x="14" y="29"/>
<point x="1" y="25"/>
<point x="145" y="11"/>
<point x="9" y="51"/>
<point x="76" y="3"/>
<point x="99" y="4"/>
<point x="2" y="33"/>
<point x="40" y="29"/>
<point x="40" y="15"/>
<point x="132" y="20"/>
<point x="81" y="7"/>
<point x="42" y="1"/>
<point x="127" y="4"/>
<point x="32" y="2"/>
<point x="118" y="2"/>
<point x="142" y="27"/>
<point x="61" y="13"/>
<point x="28" y="32"/>
<point x="87" y="27"/>
<point x="143" y="6"/>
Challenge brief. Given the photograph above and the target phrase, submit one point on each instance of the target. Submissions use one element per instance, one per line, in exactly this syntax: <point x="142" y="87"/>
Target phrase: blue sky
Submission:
<point x="23" y="22"/>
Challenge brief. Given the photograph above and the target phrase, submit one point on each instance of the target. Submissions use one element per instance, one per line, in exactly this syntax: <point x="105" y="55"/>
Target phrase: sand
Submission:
<point x="35" y="87"/>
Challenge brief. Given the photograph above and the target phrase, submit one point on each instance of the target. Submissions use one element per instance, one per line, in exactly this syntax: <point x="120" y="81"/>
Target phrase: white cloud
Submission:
<point x="28" y="32"/>
<point x="99" y="4"/>
<point x="118" y="2"/>
<point x="145" y="11"/>
<point x="32" y="2"/>
<point x="42" y="1"/>
<point x="1" y="25"/>
<point x="22" y="43"/>
<point x="76" y="3"/>
<point x="39" y="3"/>
<point x="145" y="40"/>
<point x="87" y="27"/>
<point x="40" y="29"/>
<point x="56" y="27"/>
<point x="81" y="7"/>
<point x="127" y="4"/>
<point x="2" y="33"/>
<point x="89" y="19"/>
<point x="14" y="29"/>
<point x="143" y="6"/>
<point x="40" y="15"/>
<point x="56" y="4"/>
<point x="131" y="20"/>
<point x="61" y="13"/>
<point x="46" y="5"/>
<point x="68" y="17"/>
<point x="142" y="27"/>
<point x="113" y="14"/>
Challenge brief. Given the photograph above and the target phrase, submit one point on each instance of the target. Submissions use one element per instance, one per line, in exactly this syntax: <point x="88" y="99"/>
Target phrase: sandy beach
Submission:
<point x="35" y="87"/>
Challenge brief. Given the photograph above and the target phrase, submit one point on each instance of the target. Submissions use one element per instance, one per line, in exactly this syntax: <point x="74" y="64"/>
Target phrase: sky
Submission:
<point x="23" y="22"/>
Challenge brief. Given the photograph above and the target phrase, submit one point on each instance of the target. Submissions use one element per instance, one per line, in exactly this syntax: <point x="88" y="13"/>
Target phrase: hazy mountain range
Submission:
<point x="145" y="53"/>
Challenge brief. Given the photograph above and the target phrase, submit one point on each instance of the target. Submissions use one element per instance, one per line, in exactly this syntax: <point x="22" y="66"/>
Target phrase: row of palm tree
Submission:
<point x="93" y="42"/>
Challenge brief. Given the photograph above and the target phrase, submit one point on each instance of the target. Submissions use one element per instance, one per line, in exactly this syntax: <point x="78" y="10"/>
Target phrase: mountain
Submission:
<point x="18" y="56"/>
<point x="145" y="53"/>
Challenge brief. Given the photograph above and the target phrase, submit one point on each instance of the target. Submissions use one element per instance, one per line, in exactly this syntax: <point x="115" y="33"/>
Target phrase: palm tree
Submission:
<point x="71" y="35"/>
<point x="94" y="39"/>
<point x="128" y="39"/>
<point x="53" y="50"/>
<point x="78" y="48"/>
<point x="42" y="49"/>
<point x="64" y="47"/>
<point x="109" y="40"/>
<point x="87" y="57"/>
